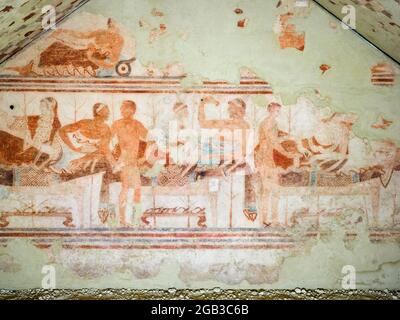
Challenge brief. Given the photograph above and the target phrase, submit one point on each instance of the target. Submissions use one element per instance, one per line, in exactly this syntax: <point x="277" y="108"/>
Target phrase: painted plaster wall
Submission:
<point x="191" y="39"/>
<point x="203" y="36"/>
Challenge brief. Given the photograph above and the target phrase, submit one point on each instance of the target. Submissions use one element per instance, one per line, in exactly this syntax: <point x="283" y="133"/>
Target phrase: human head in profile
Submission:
<point x="32" y="139"/>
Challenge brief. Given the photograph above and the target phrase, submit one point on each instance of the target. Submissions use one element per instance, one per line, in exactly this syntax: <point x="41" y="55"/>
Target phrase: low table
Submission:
<point x="33" y="214"/>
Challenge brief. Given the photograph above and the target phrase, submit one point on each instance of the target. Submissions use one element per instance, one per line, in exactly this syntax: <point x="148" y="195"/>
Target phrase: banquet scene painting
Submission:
<point x="138" y="152"/>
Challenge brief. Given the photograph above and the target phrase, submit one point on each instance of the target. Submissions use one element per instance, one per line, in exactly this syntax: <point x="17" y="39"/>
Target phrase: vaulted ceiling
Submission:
<point x="21" y="21"/>
<point x="378" y="21"/>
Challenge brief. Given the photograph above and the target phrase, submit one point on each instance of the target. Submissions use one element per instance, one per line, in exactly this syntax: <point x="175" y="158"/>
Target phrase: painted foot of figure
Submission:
<point x="137" y="217"/>
<point x="124" y="224"/>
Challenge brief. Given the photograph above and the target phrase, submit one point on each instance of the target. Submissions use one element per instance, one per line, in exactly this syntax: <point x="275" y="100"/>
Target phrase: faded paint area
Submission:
<point x="110" y="170"/>
<point x="288" y="37"/>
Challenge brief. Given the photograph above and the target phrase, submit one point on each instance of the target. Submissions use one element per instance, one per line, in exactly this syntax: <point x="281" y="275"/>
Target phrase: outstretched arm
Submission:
<point x="277" y="144"/>
<point x="213" y="124"/>
<point x="69" y="128"/>
<point x="202" y="115"/>
<point x="278" y="147"/>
